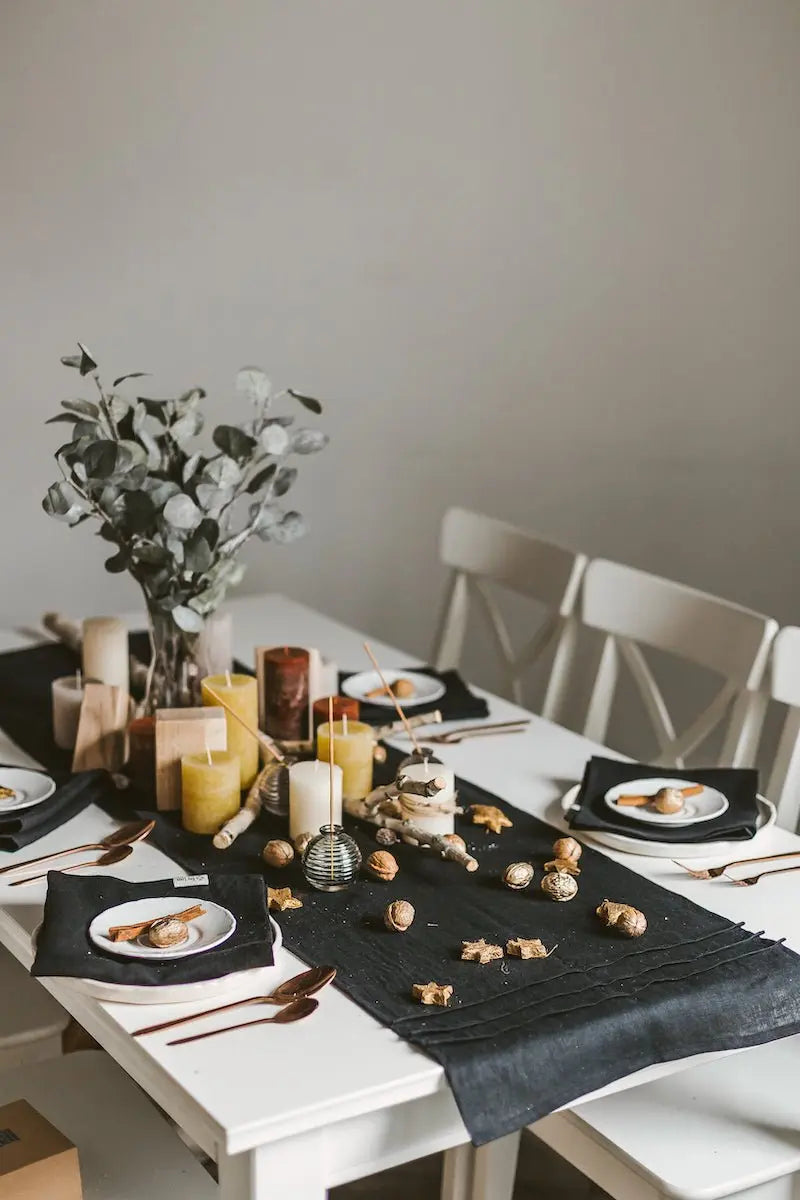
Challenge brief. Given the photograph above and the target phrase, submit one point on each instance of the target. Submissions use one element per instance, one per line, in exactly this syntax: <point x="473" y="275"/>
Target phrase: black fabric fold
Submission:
<point x="458" y="703"/>
<point x="64" y="948"/>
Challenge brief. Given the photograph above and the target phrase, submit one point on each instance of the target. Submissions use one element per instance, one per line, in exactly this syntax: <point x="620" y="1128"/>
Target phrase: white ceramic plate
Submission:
<point x="426" y="689"/>
<point x="246" y="983"/>
<point x="680" y="850"/>
<point x="211" y="929"/>
<point x="703" y="807"/>
<point x="30" y="787"/>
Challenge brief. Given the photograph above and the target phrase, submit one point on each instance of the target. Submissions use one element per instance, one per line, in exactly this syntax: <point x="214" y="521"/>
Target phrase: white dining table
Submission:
<point x="288" y="1112"/>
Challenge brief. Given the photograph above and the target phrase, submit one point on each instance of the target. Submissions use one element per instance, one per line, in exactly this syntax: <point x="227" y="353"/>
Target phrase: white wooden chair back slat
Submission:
<point x="633" y="608"/>
<point x="783" y="787"/>
<point x="481" y="552"/>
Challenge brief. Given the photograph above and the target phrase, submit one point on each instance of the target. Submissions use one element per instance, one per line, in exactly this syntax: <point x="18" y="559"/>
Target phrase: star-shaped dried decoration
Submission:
<point x="563" y="864"/>
<point x="432" y="993"/>
<point x="282" y="898"/>
<point x="490" y="816"/>
<point x="480" y="951"/>
<point x="527" y="948"/>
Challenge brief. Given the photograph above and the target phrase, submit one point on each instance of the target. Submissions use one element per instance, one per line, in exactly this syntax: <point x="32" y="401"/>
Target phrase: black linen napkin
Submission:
<point x="737" y="823"/>
<point x="29" y="824"/>
<point x="73" y="901"/>
<point x="457" y="704"/>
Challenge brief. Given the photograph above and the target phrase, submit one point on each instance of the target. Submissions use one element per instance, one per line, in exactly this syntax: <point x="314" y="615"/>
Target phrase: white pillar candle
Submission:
<point x="425" y="810"/>
<point x="327" y="679"/>
<point x="309" y="797"/>
<point x="105" y="651"/>
<point x="67" y="695"/>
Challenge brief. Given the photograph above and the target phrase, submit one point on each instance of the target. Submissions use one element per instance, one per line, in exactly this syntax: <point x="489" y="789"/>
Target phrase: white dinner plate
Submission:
<point x="426" y="689"/>
<point x="244" y="983"/>
<point x="30" y="787"/>
<point x="704" y="806"/>
<point x="205" y="932"/>
<point x="628" y="845"/>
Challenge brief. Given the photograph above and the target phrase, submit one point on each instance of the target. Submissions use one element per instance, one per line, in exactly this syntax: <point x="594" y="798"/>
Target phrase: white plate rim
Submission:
<point x="671" y="820"/>
<point x="175" y="993"/>
<point x="351" y="687"/>
<point x="136" y="950"/>
<point x="48" y="782"/>
<point x="618" y="841"/>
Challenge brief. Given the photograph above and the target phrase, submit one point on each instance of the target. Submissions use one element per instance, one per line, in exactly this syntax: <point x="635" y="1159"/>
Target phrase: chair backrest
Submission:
<point x="634" y="609"/>
<point x="784" y="687"/>
<point x="482" y="551"/>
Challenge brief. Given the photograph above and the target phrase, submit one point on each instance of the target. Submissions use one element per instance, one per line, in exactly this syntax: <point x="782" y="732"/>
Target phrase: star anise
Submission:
<point x="490" y="816"/>
<point x="480" y="951"/>
<point x="282" y="898"/>
<point x="527" y="948"/>
<point x="432" y="993"/>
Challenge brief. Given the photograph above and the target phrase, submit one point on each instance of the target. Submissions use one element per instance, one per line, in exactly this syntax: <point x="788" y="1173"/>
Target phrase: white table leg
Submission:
<point x="484" y="1174"/>
<point x="288" y="1170"/>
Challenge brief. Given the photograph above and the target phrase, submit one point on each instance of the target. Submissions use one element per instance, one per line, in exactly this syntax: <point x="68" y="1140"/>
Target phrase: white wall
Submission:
<point x="543" y="257"/>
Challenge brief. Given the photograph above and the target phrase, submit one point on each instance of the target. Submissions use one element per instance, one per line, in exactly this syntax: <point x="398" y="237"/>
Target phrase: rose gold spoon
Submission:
<point x="751" y="880"/>
<point x="296" y="988"/>
<point x="295" y="1011"/>
<point x="715" y="872"/>
<point x="136" y="831"/>
<point x="109" y="859"/>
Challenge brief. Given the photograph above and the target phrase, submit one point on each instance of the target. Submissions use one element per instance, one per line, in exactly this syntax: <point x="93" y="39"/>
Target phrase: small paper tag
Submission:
<point x="191" y="881"/>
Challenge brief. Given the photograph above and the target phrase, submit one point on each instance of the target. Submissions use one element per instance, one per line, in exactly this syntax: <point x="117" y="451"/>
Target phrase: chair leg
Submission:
<point x="487" y="1173"/>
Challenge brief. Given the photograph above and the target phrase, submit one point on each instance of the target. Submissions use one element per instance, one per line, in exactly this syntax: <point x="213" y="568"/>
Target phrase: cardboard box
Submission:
<point x="36" y="1161"/>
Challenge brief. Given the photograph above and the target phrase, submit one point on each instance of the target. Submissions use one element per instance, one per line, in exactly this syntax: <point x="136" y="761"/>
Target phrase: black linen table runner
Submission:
<point x="520" y="1038"/>
<point x="737" y="823"/>
<point x="65" y="949"/>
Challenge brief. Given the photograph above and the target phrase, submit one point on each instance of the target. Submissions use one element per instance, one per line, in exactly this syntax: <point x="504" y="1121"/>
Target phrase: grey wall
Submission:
<point x="541" y="255"/>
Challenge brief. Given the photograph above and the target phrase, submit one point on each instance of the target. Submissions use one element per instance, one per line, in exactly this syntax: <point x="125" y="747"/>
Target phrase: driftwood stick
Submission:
<point x="397" y="727"/>
<point x="420" y="787"/>
<point x="244" y="818"/>
<point x="358" y="808"/>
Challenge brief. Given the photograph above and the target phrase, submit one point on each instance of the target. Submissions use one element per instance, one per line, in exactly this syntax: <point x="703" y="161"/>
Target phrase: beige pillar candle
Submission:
<point x="105" y="651"/>
<point x="214" y="647"/>
<point x="67" y="693"/>
<point x="210" y="790"/>
<point x="309" y="797"/>
<point x="425" y="811"/>
<point x="353" y="747"/>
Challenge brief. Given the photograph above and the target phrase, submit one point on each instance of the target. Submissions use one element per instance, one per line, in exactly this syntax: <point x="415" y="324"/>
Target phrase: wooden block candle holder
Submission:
<point x="102" y="728"/>
<point x="179" y="732"/>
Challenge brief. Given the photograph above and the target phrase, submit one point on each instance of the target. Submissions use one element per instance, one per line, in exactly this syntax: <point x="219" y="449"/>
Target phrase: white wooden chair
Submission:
<point x="634" y="609"/>
<point x="31" y="1022"/>
<point x="723" y="1130"/>
<point x="125" y="1147"/>
<point x="483" y="552"/>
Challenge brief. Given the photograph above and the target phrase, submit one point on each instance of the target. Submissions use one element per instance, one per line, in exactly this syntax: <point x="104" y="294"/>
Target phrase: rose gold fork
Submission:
<point x="752" y="880"/>
<point x="715" y="872"/>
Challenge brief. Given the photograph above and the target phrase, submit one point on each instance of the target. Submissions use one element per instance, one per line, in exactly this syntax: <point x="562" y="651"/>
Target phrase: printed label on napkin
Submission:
<point x="191" y="881"/>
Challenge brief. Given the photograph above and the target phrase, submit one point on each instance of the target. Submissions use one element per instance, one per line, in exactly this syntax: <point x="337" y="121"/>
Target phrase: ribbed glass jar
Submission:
<point x="331" y="860"/>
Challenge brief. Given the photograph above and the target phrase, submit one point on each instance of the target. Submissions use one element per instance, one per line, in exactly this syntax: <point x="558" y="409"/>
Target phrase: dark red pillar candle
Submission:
<point x="343" y="706"/>
<point x="142" y="755"/>
<point x="286" y="693"/>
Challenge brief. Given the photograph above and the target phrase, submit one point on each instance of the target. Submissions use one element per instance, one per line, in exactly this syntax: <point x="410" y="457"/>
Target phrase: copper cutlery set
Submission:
<point x="746" y="881"/>
<point x="115" y="847"/>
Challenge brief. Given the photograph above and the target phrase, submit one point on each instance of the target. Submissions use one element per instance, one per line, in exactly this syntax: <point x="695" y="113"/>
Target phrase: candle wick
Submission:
<point x="208" y="756"/>
<point x="78" y="679"/>
<point x="330" y="775"/>
<point x="344" y="724"/>
<point x="228" y="679"/>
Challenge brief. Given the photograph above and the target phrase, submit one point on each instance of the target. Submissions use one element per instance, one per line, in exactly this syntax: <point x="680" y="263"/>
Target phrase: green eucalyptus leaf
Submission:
<point x="289" y="529"/>
<point x="84" y="408"/>
<point x="181" y="512"/>
<point x="187" y="426"/>
<point x="140" y="512"/>
<point x="190" y="467"/>
<point x="158" y="409"/>
<point x="62" y="419"/>
<point x="59" y="500"/>
<point x="118" y="407"/>
<point x="131" y="375"/>
<point x="100" y="459"/>
<point x="197" y="555"/>
<point x="223" y="471"/>
<point x="253" y="385"/>
<point x="261" y="478"/>
<point x="175" y="548"/>
<point x="85" y="428"/>
<point x="151" y="554"/>
<point x="83" y="362"/>
<point x="160" y="490"/>
<point x="308" y="441"/>
<point x="307" y="401"/>
<point x="234" y="441"/>
<point x="264" y="515"/>
<point x="284" y="480"/>
<point x="274" y="440"/>
<point x="187" y="619"/>
<point x="208" y="529"/>
<point x="118" y="563"/>
<point x="190" y="400"/>
<point x="211" y="498"/>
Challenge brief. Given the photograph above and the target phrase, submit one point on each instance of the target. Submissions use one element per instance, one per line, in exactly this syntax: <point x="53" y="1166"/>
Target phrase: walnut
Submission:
<point x="399" y="915"/>
<point x="277" y="853"/>
<point x="382" y="865"/>
<point x="403" y="689"/>
<point x="490" y="816"/>
<point x="558" y="885"/>
<point x="300" y="843"/>
<point x="518" y="875"/>
<point x="527" y="948"/>
<point x="454" y="839"/>
<point x="282" y="899"/>
<point x="622" y="917"/>
<point x="432" y="993"/>
<point x="668" y="800"/>
<point x="567" y="847"/>
<point x="168" y="931"/>
<point x="563" y="864"/>
<point x="386" y="837"/>
<point x="480" y="951"/>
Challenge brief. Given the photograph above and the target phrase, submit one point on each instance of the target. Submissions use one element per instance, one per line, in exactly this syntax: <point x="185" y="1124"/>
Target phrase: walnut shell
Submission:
<point x="300" y="843"/>
<point x="558" y="885"/>
<point x="518" y="875"/>
<point x="399" y="915"/>
<point x="168" y="931"/>
<point x="454" y="839"/>
<point x="563" y="864"/>
<point x="386" y="837"/>
<point x="567" y="847"/>
<point x="668" y="800"/>
<point x="277" y="853"/>
<point x="382" y="865"/>
<point x="624" y="918"/>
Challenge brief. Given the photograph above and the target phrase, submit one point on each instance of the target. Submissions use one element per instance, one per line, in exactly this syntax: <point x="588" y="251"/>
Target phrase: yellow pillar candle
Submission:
<point x="210" y="790"/>
<point x="352" y="751"/>
<point x="240" y="693"/>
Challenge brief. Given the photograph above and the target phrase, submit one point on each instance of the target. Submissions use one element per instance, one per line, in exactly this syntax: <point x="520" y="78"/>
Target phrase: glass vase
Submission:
<point x="173" y="676"/>
<point x="331" y="860"/>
